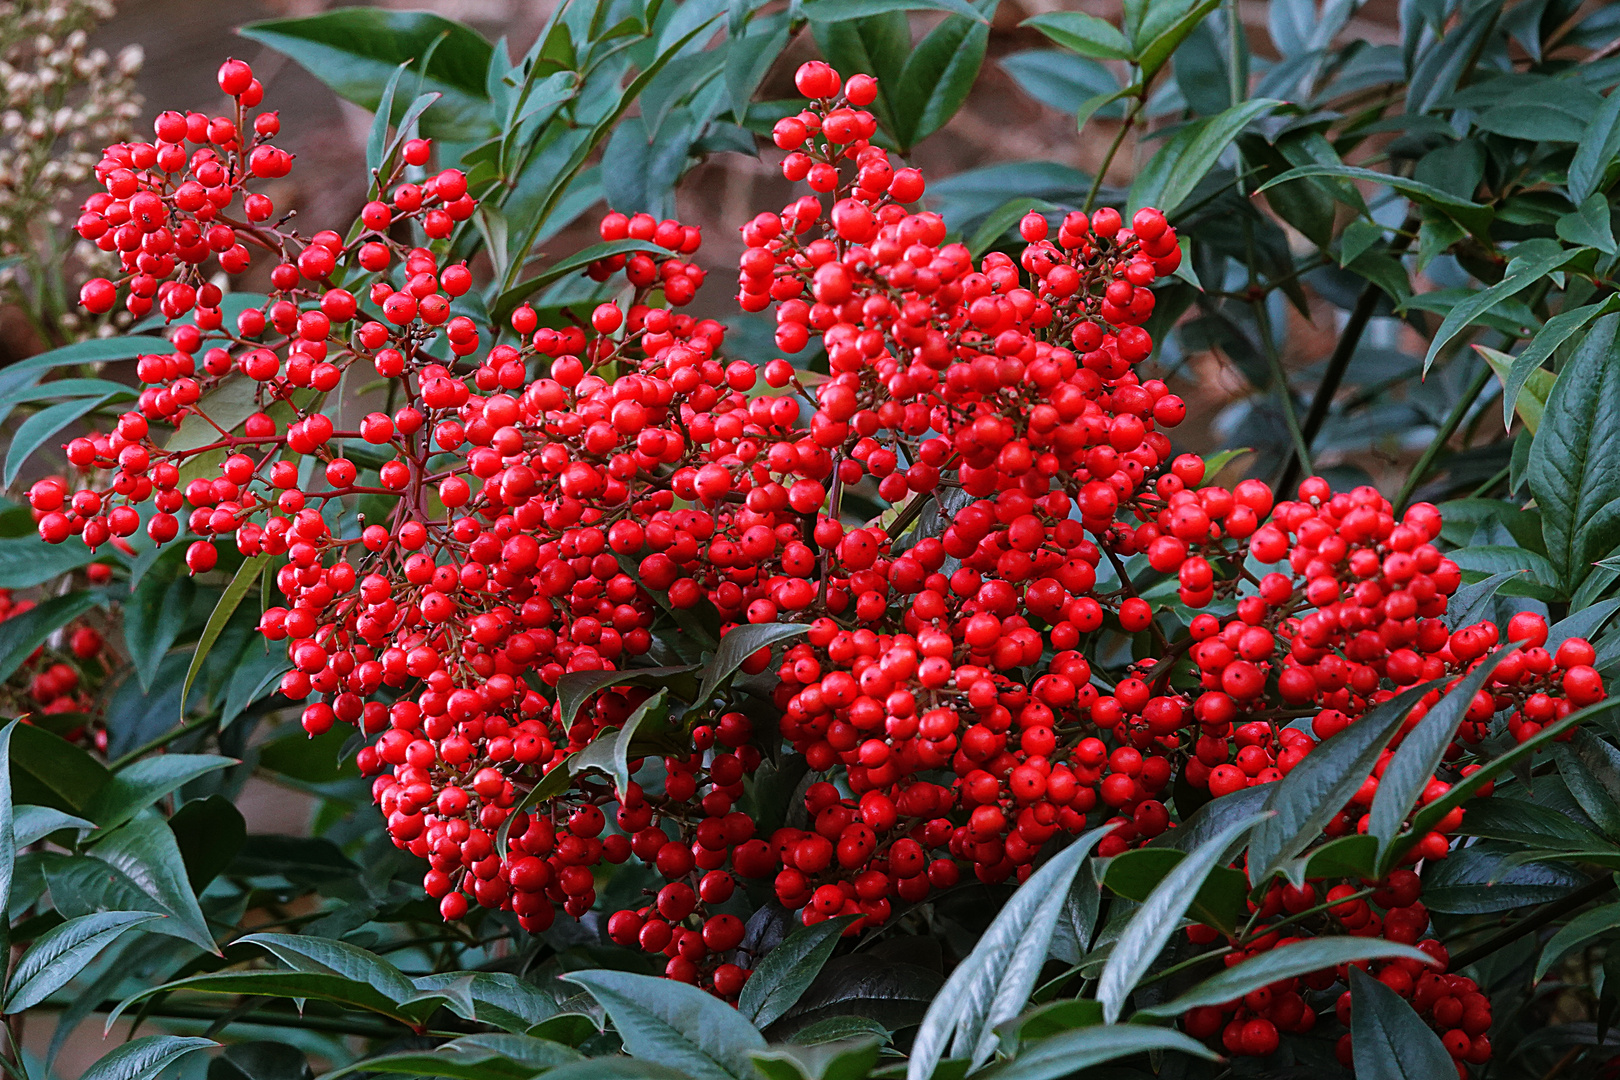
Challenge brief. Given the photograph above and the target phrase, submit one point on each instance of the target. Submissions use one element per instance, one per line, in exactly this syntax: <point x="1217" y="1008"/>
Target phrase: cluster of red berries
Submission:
<point x="55" y="679"/>
<point x="550" y="501"/>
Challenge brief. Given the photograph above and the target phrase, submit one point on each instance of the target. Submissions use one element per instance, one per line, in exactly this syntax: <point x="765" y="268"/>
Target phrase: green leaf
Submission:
<point x="1390" y="1041"/>
<point x="1573" y="471"/>
<point x="1059" y="80"/>
<point x="39" y="428"/>
<point x="377" y="138"/>
<point x="1218" y="902"/>
<point x="1589" y="225"/>
<point x="841" y="10"/>
<point x="488" y="1056"/>
<point x="26" y="562"/>
<point x="1553" y="333"/>
<point x="48" y="771"/>
<point x="576" y="687"/>
<point x="1600" y="142"/>
<point x="787" y="971"/>
<point x="1425" y="819"/>
<point x="994" y="982"/>
<point x="509" y="300"/>
<point x="355" y="50"/>
<point x="145" y="851"/>
<point x="851" y="1059"/>
<point x="297" y="985"/>
<point x="1413" y="764"/>
<point x="1319" y="786"/>
<point x="157" y="612"/>
<point x="21" y="634"/>
<point x="1591" y="768"/>
<point x="227" y="405"/>
<point x="937" y="77"/>
<point x="1528" y="824"/>
<point x="59" y="954"/>
<point x="1186" y="158"/>
<point x="68" y="388"/>
<point x="1159" y="48"/>
<point x="1082" y="33"/>
<point x="1284" y="962"/>
<point x="618" y="747"/>
<point x="32" y="823"/>
<point x="247" y="576"/>
<point x="1066" y="1054"/>
<point x="748" y="61"/>
<point x="674" y="1024"/>
<point x="142" y="783"/>
<point x="1471" y="215"/>
<point x="9" y="843"/>
<point x="1520" y="278"/>
<point x="1577" y="933"/>
<point x="209" y="833"/>
<point x="326" y="956"/>
<point x="144" y="1058"/>
<point x="1156" y="920"/>
<point x="738" y="645"/>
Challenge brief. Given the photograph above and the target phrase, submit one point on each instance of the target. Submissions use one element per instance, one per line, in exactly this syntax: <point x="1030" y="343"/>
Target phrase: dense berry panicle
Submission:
<point x="552" y="493"/>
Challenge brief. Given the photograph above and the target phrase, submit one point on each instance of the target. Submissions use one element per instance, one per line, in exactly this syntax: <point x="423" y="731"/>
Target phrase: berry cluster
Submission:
<point x="55" y="678"/>
<point x="537" y="509"/>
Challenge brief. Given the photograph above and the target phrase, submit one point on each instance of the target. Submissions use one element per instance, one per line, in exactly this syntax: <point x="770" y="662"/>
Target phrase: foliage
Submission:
<point x="1444" y="204"/>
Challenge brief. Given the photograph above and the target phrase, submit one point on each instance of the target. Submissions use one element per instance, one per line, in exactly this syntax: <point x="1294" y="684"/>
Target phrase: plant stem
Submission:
<point x="159" y="743"/>
<point x="1533" y="922"/>
<point x="1339" y="363"/>
<point x="1443" y="436"/>
<point x="1113" y="149"/>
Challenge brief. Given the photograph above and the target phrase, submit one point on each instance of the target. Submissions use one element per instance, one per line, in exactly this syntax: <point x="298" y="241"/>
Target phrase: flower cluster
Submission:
<point x="532" y="508"/>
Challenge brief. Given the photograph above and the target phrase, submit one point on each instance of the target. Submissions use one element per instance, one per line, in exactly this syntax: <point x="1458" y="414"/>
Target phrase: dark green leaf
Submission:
<point x="48" y="771"/>
<point x="509" y="300"/>
<point x="1577" y="933"/>
<point x="1389" y="1040"/>
<point x="847" y="1060"/>
<point x="209" y="833"/>
<point x="1591" y="768"/>
<point x="1186" y="158"/>
<point x="9" y="844"/>
<point x="158" y="611"/>
<point x="377" y="139"/>
<point x="993" y="984"/>
<point x="674" y="1024"/>
<point x="283" y="984"/>
<point x="1600" y="142"/>
<point x="841" y="10"/>
<point x="39" y="428"/>
<point x="1470" y="215"/>
<point x="787" y="970"/>
<point x="488" y="1056"/>
<point x="21" y="634"/>
<point x="144" y="1058"/>
<point x="329" y="957"/>
<point x="1319" y="786"/>
<point x="938" y="76"/>
<point x="1284" y="962"/>
<point x="1218" y="902"/>
<point x="1522" y="277"/>
<point x="1553" y="333"/>
<point x="1442" y="65"/>
<point x="1588" y="225"/>
<point x="1059" y="80"/>
<point x="748" y="60"/>
<point x="145" y="851"/>
<point x="576" y="687"/>
<point x="59" y="954"/>
<point x="1152" y="55"/>
<point x="247" y="576"/>
<point x="1082" y="33"/>
<point x="144" y="782"/>
<point x="877" y="45"/>
<point x="26" y="562"/>
<point x="1573" y="471"/>
<point x="1066" y="1054"/>
<point x="1155" y="921"/>
<point x="32" y="823"/>
<point x="1419" y="755"/>
<point x="738" y="645"/>
<point x="355" y="50"/>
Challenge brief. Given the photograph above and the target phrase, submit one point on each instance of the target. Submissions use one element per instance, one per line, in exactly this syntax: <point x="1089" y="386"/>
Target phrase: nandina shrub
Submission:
<point x="587" y="594"/>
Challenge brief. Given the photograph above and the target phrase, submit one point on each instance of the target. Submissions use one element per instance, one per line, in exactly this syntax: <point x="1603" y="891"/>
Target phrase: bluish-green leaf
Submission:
<point x="144" y="1058"/>
<point x="59" y="954"/>
<point x="787" y="970"/>
<point x="674" y="1024"/>
<point x="39" y="428"/>
<point x="1389" y="1040"/>
<point x="1522" y="277"/>
<point x="1553" y="333"/>
<point x="1600" y="142"/>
